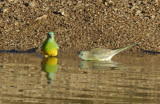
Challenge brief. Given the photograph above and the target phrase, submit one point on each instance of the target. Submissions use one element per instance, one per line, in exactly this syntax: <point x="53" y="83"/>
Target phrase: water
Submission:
<point x="27" y="78"/>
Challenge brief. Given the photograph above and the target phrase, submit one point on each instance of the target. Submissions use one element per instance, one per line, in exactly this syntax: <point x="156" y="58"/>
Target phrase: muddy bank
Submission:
<point x="80" y="24"/>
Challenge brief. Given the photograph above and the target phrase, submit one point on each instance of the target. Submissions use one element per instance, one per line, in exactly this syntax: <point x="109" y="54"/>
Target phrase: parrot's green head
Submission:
<point x="50" y="36"/>
<point x="84" y="55"/>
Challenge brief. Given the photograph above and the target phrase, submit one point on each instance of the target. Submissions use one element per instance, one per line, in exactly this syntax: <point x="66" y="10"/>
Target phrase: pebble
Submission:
<point x="42" y="17"/>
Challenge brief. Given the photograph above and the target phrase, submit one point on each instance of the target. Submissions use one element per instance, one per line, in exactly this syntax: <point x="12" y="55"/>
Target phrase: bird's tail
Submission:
<point x="124" y="48"/>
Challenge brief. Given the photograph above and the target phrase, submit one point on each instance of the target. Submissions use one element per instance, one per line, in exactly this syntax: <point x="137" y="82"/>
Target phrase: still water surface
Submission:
<point x="30" y="79"/>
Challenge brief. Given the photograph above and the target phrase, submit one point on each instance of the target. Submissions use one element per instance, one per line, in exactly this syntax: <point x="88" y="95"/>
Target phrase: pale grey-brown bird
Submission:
<point x="101" y="54"/>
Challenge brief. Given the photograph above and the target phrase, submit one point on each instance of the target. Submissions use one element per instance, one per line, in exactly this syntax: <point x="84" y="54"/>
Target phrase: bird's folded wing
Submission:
<point x="101" y="53"/>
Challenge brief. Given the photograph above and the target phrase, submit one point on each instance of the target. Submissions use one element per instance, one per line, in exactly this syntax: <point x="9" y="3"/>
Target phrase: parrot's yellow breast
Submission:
<point x="50" y="52"/>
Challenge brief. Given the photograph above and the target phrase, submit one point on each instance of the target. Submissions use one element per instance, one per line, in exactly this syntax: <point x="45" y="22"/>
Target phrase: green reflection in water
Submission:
<point x="50" y="66"/>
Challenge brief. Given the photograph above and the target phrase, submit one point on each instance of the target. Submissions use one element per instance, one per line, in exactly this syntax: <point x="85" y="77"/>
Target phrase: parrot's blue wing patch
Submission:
<point x="57" y="45"/>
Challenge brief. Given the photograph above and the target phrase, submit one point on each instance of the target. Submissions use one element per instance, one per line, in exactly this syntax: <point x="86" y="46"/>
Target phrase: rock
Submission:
<point x="42" y="17"/>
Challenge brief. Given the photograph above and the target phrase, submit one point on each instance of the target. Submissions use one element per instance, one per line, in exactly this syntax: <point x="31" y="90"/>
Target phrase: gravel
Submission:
<point x="80" y="24"/>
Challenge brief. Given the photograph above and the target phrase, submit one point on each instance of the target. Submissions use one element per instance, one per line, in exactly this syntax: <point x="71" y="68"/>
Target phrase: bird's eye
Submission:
<point x="50" y="36"/>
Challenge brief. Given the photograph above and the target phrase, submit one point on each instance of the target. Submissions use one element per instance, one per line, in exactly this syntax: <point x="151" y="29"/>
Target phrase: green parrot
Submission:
<point x="50" y="47"/>
<point x="101" y="54"/>
<point x="50" y="66"/>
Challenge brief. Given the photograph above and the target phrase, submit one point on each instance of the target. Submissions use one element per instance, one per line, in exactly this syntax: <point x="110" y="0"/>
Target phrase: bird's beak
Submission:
<point x="79" y="52"/>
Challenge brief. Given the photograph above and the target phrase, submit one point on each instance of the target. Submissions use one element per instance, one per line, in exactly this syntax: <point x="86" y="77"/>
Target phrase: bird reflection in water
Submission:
<point x="50" y="66"/>
<point x="98" y="65"/>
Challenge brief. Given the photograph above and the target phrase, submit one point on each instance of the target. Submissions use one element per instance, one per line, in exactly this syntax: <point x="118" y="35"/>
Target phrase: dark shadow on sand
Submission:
<point x="151" y="52"/>
<point x="32" y="50"/>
